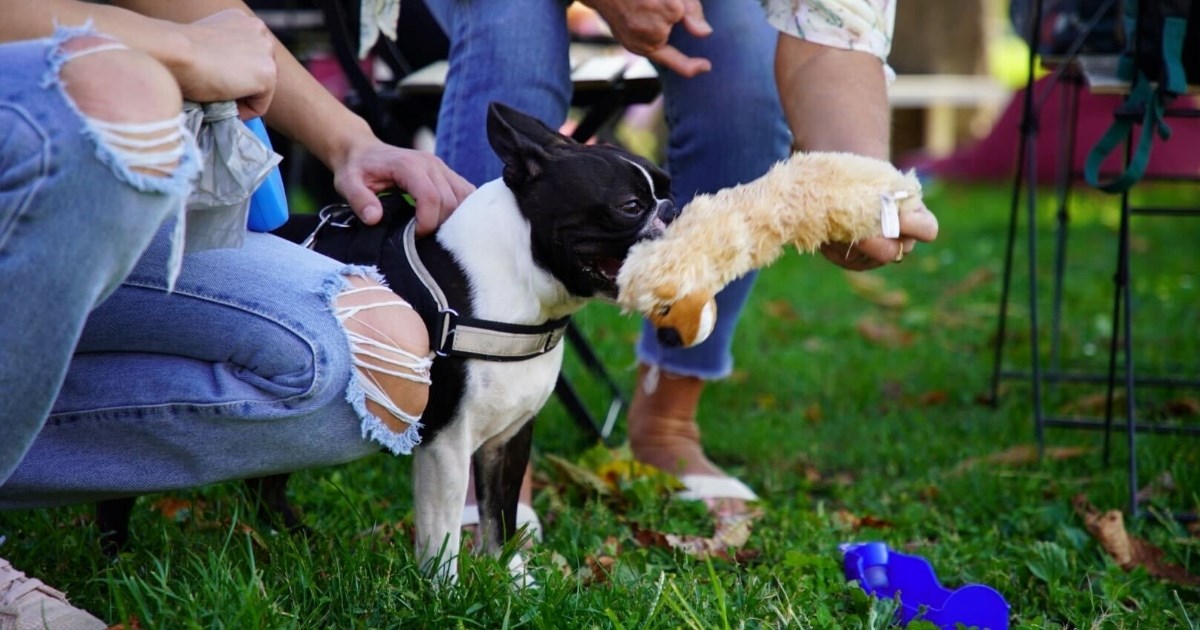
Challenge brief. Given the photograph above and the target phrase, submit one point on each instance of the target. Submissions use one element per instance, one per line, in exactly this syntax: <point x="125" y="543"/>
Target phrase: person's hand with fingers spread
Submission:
<point x="372" y="166"/>
<point x="919" y="226"/>
<point x="643" y="26"/>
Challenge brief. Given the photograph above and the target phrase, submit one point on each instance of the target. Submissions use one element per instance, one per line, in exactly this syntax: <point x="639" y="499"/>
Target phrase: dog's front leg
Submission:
<point x="499" y="470"/>
<point x="440" y="475"/>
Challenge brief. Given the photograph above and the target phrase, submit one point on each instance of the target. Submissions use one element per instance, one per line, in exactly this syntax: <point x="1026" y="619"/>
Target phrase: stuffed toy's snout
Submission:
<point x="682" y="321"/>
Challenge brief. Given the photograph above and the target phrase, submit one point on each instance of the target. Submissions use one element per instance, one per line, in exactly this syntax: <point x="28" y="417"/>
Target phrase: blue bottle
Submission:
<point x="268" y="204"/>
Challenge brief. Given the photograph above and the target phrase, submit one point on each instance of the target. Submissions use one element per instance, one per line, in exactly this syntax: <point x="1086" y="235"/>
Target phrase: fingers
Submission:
<point x="435" y="201"/>
<point x="920" y="224"/>
<point x="693" y="19"/>
<point x="669" y="57"/>
<point x="437" y="191"/>
<point x="255" y="106"/>
<point x="364" y="202"/>
<point x="881" y="250"/>
<point x="234" y="60"/>
<point x="868" y="254"/>
<point x="371" y="167"/>
<point x="849" y="256"/>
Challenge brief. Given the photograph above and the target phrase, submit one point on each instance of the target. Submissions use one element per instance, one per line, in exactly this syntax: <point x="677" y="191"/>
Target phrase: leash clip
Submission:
<point x="338" y="215"/>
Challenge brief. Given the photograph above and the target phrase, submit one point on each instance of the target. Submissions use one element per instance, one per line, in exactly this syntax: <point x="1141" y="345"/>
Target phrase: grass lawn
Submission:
<point x="855" y="413"/>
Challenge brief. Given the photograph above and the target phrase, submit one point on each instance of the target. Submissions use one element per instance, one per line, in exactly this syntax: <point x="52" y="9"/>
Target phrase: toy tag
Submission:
<point x="889" y="216"/>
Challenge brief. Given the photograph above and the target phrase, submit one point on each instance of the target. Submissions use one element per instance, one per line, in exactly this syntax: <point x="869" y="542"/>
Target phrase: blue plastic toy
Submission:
<point x="268" y="204"/>
<point x="882" y="572"/>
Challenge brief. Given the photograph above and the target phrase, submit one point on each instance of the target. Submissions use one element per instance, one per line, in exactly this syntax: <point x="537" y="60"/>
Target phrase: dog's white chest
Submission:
<point x="500" y="396"/>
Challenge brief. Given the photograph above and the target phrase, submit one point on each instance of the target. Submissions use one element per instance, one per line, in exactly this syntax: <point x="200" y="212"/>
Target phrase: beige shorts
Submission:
<point x="864" y="25"/>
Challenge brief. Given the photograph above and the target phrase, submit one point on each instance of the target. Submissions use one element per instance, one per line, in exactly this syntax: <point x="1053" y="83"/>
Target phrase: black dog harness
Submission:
<point x="450" y="334"/>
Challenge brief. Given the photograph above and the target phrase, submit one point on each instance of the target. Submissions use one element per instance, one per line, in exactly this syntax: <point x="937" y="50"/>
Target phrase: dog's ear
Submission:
<point x="521" y="141"/>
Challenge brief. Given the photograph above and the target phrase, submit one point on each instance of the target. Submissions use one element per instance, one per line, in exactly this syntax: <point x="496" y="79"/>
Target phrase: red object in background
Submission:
<point x="994" y="156"/>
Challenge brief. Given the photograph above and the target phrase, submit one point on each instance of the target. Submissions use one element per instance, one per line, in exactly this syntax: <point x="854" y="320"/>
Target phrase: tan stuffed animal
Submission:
<point x="808" y="200"/>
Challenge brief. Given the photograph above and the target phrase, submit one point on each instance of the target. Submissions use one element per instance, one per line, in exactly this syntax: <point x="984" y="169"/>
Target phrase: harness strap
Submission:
<point x="480" y="338"/>
<point x="451" y="334"/>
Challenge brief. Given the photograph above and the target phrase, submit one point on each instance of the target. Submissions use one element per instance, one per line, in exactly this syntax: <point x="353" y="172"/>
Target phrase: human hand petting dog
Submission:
<point x="918" y="225"/>
<point x="643" y="26"/>
<point x="372" y="166"/>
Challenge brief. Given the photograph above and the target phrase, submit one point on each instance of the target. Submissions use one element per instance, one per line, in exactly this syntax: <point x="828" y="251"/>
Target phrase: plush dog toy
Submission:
<point x="808" y="200"/>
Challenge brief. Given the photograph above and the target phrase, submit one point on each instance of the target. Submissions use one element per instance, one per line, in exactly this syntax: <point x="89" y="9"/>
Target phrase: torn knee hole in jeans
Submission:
<point x="379" y="361"/>
<point x="151" y="148"/>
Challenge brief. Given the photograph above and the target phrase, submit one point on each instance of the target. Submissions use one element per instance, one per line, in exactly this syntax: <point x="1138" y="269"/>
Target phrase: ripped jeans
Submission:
<point x="110" y="385"/>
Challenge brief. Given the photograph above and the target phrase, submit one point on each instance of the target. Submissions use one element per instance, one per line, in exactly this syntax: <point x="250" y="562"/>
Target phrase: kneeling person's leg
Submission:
<point x="391" y="355"/>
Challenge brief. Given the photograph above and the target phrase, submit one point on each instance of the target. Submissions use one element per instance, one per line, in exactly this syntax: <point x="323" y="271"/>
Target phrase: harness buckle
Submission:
<point x="445" y="331"/>
<point x="553" y="337"/>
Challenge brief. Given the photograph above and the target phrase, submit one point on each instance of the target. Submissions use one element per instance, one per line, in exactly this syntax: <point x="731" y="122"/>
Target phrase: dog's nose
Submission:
<point x="666" y="211"/>
<point x="669" y="337"/>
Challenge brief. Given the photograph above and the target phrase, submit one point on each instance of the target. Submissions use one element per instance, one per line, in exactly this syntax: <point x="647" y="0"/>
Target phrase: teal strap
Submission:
<point x="1152" y="102"/>
<point x="1173" y="33"/>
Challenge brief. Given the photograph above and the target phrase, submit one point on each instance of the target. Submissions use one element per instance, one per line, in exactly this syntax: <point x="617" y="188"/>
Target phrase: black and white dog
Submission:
<point x="495" y="285"/>
<point x="512" y="263"/>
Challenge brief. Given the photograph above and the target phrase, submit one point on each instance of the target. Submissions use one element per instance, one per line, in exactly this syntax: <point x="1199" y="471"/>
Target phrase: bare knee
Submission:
<point x="130" y="94"/>
<point x="391" y="351"/>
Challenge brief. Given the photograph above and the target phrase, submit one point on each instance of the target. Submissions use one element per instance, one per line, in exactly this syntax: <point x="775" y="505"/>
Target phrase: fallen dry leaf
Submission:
<point x="597" y="569"/>
<point x="387" y="532"/>
<point x="176" y="509"/>
<point x="1183" y="407"/>
<point x="730" y="534"/>
<point x="1128" y="551"/>
<point x="929" y="493"/>
<point x="873" y="288"/>
<point x="1023" y="454"/>
<point x="132" y="624"/>
<point x="616" y="471"/>
<point x="932" y="398"/>
<point x="1094" y="404"/>
<point x="579" y="475"/>
<point x="845" y="518"/>
<point x="883" y="333"/>
<point x="780" y="309"/>
<point x="849" y="520"/>
<point x="976" y="278"/>
<point x="243" y="528"/>
<point x="810" y="473"/>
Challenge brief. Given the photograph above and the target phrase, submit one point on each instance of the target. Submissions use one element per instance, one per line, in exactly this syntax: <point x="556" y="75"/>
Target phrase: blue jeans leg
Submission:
<point x="241" y="371"/>
<point x="73" y="222"/>
<point x="726" y="127"/>
<point x="511" y="51"/>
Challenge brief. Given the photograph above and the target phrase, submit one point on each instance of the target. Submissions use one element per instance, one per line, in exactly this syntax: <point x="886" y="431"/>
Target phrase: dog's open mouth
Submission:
<point x="605" y="270"/>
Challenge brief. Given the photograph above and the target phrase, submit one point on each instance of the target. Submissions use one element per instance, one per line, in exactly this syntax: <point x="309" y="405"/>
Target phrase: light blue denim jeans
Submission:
<point x="241" y="371"/>
<point x="726" y="127"/>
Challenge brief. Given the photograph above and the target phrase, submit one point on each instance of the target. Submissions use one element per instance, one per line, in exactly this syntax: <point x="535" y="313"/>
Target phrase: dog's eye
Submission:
<point x="633" y="206"/>
<point x="664" y="310"/>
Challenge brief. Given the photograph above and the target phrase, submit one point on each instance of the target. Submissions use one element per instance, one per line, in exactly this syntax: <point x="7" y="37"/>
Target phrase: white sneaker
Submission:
<point x="28" y="604"/>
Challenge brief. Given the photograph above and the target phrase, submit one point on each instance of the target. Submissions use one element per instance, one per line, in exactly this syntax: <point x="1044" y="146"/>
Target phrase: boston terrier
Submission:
<point x="496" y="285"/>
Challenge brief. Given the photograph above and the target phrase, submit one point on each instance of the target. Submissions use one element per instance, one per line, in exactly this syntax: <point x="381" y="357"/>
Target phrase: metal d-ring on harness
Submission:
<point x="451" y="333"/>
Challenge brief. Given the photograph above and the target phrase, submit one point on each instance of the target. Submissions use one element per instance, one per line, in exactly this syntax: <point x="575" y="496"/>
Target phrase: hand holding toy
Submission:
<point x="808" y="200"/>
